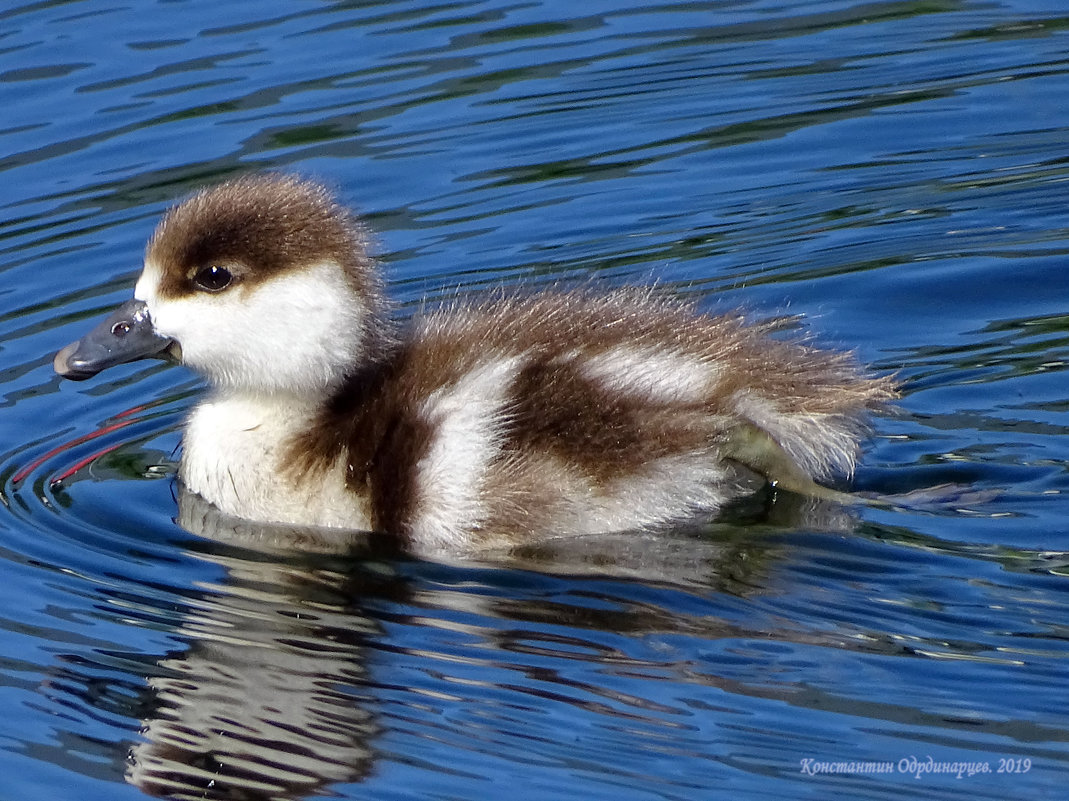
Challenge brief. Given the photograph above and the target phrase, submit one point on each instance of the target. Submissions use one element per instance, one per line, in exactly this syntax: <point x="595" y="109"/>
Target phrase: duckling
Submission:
<point x="483" y="423"/>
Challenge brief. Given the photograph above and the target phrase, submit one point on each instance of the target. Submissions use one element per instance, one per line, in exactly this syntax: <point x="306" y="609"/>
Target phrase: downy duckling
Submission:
<point x="484" y="423"/>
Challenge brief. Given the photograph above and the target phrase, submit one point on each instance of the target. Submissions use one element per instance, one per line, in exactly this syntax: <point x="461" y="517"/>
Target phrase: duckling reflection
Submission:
<point x="265" y="703"/>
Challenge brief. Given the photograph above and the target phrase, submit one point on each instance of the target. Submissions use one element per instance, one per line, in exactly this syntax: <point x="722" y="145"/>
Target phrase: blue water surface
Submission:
<point x="892" y="172"/>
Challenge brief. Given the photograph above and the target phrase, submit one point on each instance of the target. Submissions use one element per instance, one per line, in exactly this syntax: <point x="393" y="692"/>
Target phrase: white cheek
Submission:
<point x="295" y="333"/>
<point x="148" y="284"/>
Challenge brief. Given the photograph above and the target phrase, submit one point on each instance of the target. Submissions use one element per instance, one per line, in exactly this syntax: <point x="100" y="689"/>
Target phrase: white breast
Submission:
<point x="232" y="457"/>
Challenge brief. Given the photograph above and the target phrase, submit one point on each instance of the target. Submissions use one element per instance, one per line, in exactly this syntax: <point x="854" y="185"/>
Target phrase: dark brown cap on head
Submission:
<point x="261" y="225"/>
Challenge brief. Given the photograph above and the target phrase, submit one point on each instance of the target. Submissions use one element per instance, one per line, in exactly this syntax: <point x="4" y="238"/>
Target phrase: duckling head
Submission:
<point x="261" y="284"/>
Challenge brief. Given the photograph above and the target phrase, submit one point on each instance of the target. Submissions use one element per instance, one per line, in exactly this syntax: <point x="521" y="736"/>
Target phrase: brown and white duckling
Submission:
<point x="483" y="424"/>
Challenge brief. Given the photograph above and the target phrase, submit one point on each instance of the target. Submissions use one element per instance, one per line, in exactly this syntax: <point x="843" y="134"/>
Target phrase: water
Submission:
<point x="894" y="172"/>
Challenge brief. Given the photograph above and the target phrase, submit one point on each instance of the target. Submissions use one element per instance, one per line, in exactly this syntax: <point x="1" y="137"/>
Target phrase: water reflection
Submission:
<point x="272" y="697"/>
<point x="266" y="701"/>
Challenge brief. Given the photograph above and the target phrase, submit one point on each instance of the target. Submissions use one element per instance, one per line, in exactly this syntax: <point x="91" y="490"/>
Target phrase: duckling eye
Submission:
<point x="213" y="278"/>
